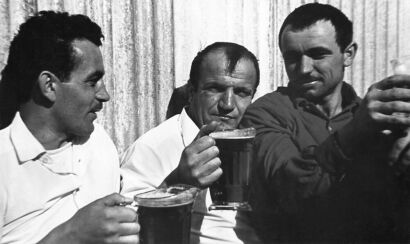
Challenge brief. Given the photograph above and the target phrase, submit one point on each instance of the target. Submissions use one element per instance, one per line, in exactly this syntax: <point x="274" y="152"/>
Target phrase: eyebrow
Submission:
<point x="319" y="49"/>
<point x="96" y="74"/>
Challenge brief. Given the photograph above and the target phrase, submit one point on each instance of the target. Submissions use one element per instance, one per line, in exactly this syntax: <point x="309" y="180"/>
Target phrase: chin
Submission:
<point x="85" y="131"/>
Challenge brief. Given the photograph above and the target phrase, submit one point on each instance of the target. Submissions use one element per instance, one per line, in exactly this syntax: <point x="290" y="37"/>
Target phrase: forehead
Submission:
<point x="321" y="33"/>
<point x="215" y="65"/>
<point x="88" y="58"/>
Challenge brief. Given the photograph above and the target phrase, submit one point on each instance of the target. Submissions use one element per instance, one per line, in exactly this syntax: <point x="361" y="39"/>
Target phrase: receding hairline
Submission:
<point x="222" y="51"/>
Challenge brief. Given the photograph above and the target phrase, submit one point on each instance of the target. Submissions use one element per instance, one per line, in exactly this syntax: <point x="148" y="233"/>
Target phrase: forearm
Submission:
<point x="297" y="174"/>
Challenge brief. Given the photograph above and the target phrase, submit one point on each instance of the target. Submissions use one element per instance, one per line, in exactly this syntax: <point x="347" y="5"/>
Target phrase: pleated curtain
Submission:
<point x="149" y="46"/>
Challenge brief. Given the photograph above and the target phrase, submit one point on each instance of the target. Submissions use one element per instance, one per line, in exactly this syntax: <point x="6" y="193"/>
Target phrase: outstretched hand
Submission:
<point x="382" y="109"/>
<point x="385" y="103"/>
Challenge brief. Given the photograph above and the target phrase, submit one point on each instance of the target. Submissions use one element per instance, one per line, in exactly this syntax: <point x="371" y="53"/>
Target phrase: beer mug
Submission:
<point x="230" y="191"/>
<point x="164" y="214"/>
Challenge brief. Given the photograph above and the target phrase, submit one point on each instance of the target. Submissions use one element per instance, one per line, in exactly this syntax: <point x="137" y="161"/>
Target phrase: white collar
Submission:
<point x="26" y="145"/>
<point x="188" y="128"/>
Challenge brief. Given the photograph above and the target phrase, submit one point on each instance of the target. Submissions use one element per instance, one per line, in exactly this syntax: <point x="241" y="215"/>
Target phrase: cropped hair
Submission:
<point x="308" y="14"/>
<point x="44" y="42"/>
<point x="233" y="53"/>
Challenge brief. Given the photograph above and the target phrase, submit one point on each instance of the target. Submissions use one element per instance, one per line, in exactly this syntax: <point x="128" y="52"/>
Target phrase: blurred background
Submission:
<point x="150" y="44"/>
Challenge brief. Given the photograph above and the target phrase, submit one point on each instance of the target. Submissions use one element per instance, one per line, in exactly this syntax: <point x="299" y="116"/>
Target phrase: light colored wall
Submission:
<point x="149" y="45"/>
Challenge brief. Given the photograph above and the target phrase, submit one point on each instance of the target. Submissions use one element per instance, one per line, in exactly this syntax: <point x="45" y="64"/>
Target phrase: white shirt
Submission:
<point x="151" y="158"/>
<point x="41" y="189"/>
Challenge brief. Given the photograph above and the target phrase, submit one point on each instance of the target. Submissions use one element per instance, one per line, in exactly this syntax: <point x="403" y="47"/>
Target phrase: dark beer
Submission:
<point x="165" y="215"/>
<point x="230" y="191"/>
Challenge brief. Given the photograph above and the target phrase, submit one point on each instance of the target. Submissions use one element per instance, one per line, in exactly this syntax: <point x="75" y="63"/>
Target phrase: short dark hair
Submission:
<point x="233" y="52"/>
<point x="308" y="14"/>
<point x="44" y="42"/>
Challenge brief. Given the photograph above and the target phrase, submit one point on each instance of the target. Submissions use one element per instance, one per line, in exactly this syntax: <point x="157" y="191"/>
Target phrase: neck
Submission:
<point x="41" y="125"/>
<point x="191" y="114"/>
<point x="331" y="105"/>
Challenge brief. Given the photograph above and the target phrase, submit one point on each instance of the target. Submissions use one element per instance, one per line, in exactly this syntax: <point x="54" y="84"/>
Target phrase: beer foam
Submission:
<point x="172" y="196"/>
<point x="246" y="133"/>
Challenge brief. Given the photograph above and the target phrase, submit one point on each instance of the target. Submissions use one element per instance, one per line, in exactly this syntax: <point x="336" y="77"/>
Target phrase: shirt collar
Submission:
<point x="189" y="129"/>
<point x="26" y="145"/>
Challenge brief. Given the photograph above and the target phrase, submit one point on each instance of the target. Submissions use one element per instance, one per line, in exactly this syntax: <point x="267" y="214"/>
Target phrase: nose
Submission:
<point x="102" y="94"/>
<point x="227" y="101"/>
<point x="306" y="65"/>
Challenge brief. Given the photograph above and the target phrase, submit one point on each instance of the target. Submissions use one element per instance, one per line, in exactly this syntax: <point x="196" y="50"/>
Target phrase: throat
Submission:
<point x="331" y="107"/>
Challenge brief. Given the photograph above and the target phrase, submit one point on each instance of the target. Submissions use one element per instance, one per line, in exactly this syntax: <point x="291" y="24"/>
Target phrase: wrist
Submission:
<point x="172" y="178"/>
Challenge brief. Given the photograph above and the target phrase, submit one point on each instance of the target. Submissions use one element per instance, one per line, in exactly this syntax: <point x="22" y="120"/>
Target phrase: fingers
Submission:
<point x="209" y="128"/>
<point x="130" y="239"/>
<point x="393" y="94"/>
<point x="393" y="107"/>
<point x="200" y="145"/>
<point x="392" y="81"/>
<point x="393" y="120"/>
<point x="122" y="214"/>
<point x="199" y="161"/>
<point x="116" y="199"/>
<point x="210" y="167"/>
<point x="211" y="178"/>
<point x="126" y="229"/>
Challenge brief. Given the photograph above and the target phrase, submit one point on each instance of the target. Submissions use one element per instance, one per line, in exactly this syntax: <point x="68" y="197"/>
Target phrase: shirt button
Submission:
<point x="329" y="128"/>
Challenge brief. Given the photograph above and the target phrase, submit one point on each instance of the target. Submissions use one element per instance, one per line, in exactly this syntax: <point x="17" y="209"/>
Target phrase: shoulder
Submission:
<point x="164" y="132"/>
<point x="165" y="136"/>
<point x="274" y="106"/>
<point x="276" y="100"/>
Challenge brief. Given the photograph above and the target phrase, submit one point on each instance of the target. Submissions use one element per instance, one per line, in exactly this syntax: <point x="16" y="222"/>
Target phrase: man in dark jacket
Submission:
<point x="321" y="171"/>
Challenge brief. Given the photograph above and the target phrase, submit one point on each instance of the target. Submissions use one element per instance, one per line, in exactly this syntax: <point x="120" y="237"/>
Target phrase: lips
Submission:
<point x="97" y="108"/>
<point x="309" y="84"/>
<point x="306" y="83"/>
<point x="224" y="117"/>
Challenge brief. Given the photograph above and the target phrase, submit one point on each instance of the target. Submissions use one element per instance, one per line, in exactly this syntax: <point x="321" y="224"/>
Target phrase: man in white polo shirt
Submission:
<point x="58" y="170"/>
<point x="223" y="80"/>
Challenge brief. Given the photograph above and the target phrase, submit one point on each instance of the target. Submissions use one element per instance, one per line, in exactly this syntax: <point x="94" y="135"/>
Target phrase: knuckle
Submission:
<point x="209" y="140"/>
<point x="374" y="116"/>
<point x="108" y="228"/>
<point x="394" y="91"/>
<point x="215" y="150"/>
<point x="394" y="106"/>
<point x="187" y="151"/>
<point x="219" y="172"/>
<point x="217" y="162"/>
<point x="196" y="174"/>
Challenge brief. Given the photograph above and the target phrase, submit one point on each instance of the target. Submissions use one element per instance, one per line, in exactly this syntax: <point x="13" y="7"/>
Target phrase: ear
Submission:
<point x="349" y="54"/>
<point x="47" y="85"/>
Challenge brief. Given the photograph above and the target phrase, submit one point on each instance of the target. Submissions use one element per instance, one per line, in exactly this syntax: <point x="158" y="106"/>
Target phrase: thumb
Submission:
<point x="116" y="199"/>
<point x="209" y="128"/>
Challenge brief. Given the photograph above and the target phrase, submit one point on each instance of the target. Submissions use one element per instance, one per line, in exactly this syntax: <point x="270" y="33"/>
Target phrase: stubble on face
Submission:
<point x="77" y="99"/>
<point x="222" y="96"/>
<point x="314" y="62"/>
